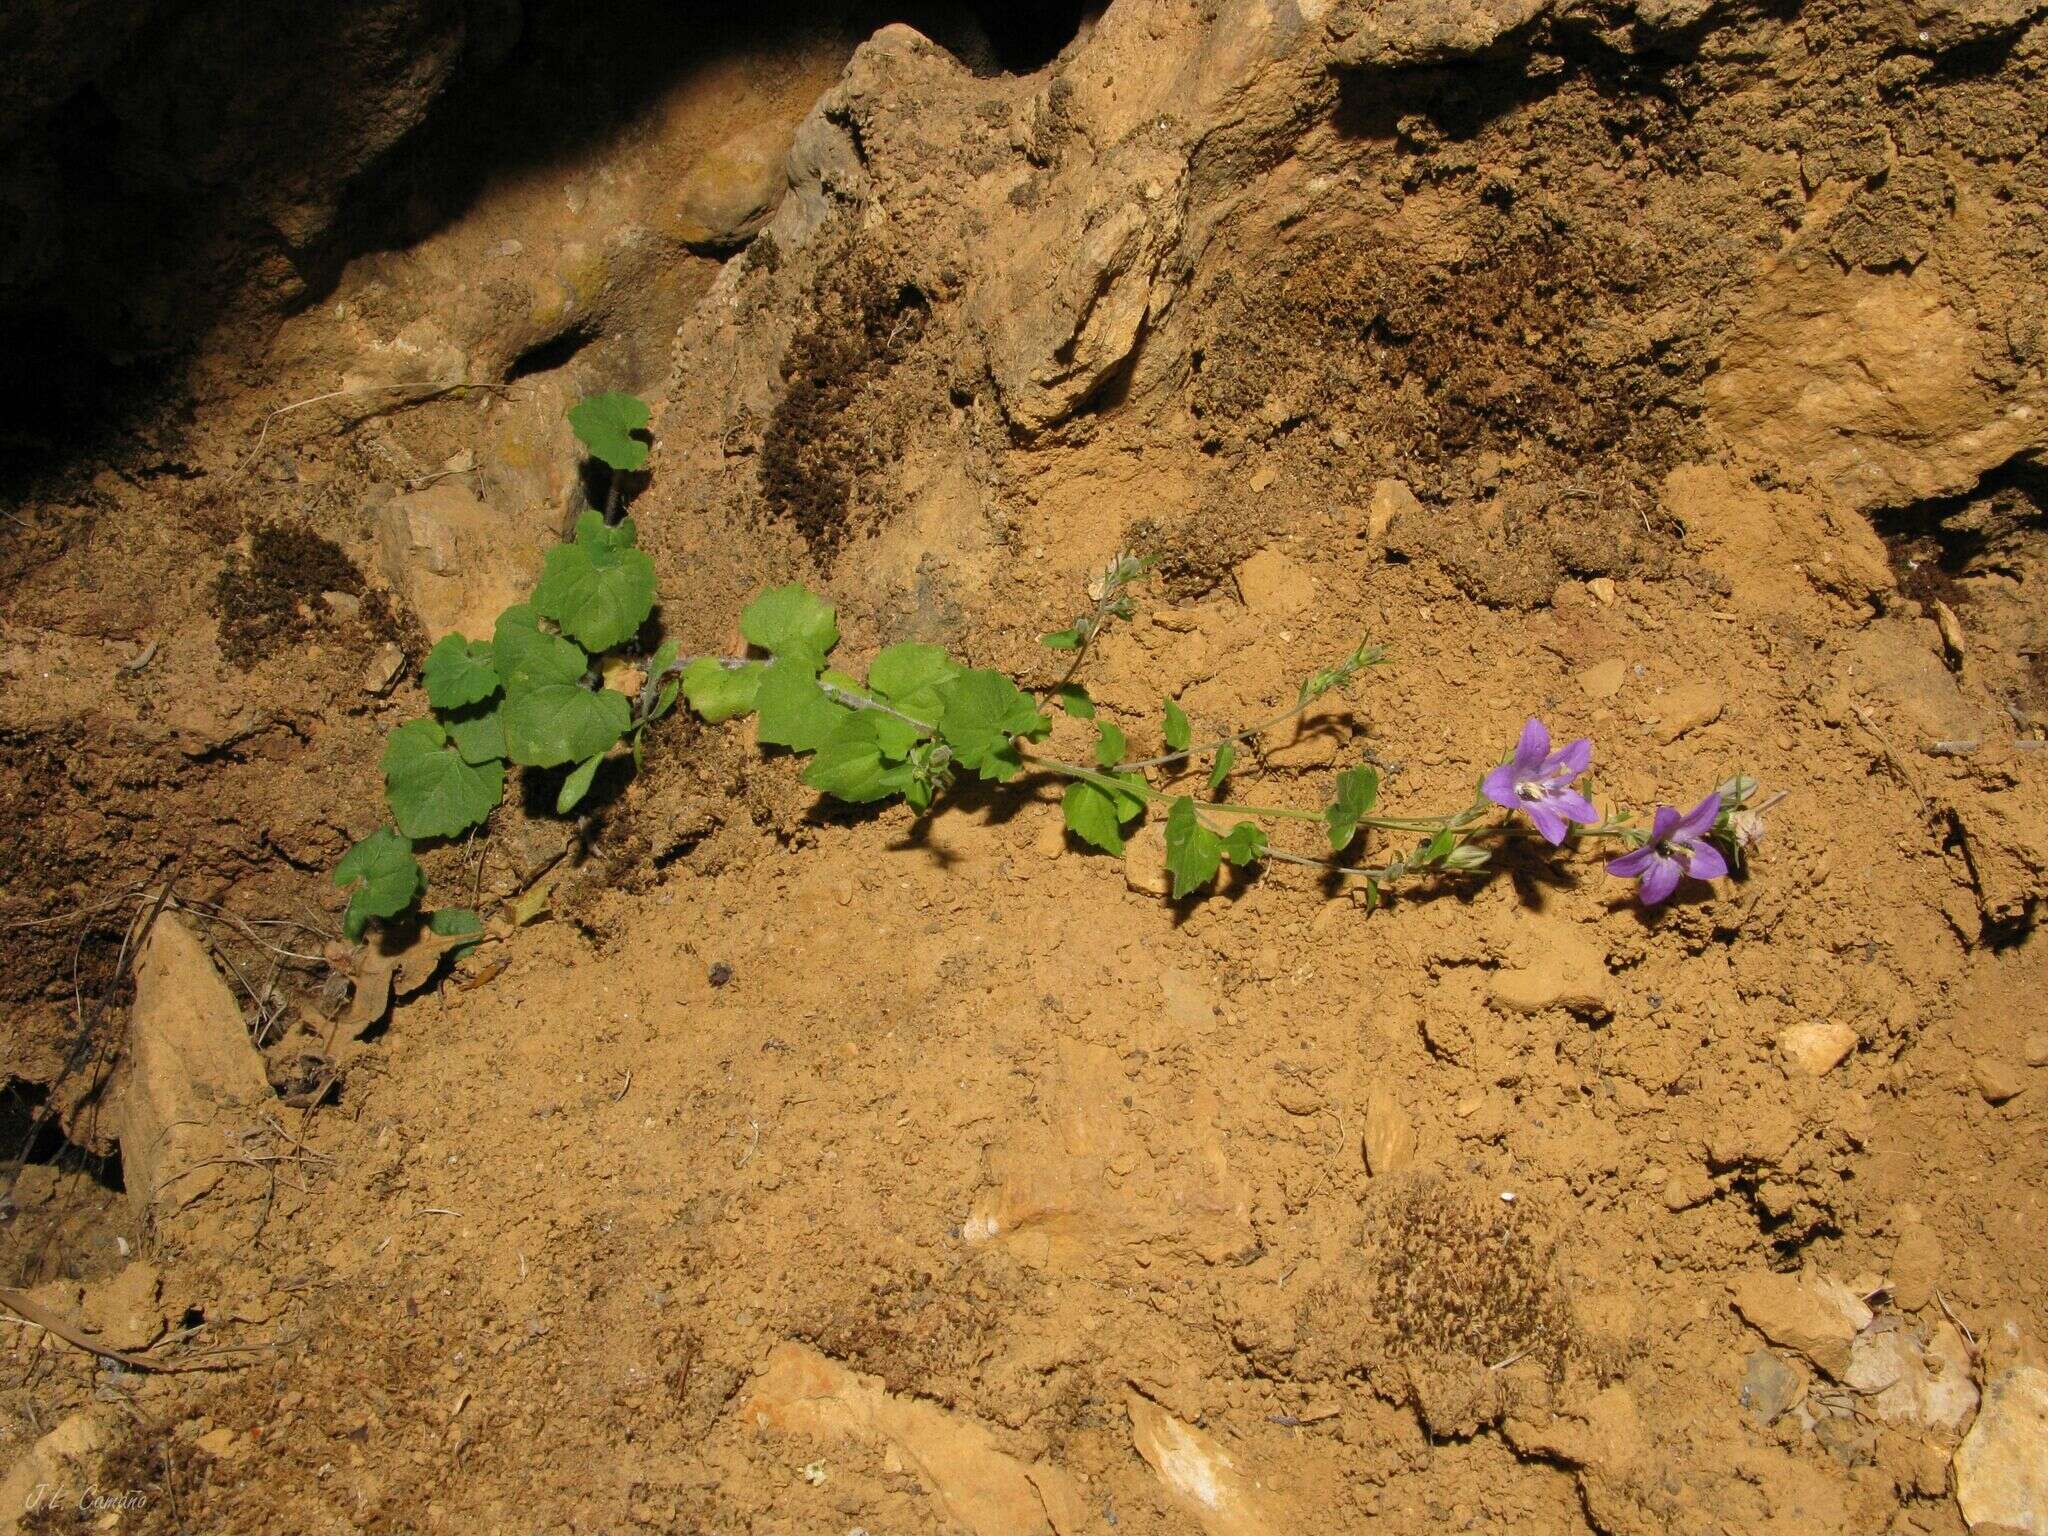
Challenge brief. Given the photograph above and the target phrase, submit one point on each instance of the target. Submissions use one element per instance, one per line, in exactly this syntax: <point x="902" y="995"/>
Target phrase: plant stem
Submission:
<point x="1222" y="741"/>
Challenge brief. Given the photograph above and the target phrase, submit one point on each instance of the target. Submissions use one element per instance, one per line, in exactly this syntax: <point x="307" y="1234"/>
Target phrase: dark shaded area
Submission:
<point x="817" y="447"/>
<point x="277" y="594"/>
<point x="31" y="1136"/>
<point x="215" y="165"/>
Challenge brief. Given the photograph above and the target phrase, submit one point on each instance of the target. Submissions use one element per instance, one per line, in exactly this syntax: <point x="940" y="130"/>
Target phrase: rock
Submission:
<point x="734" y="188"/>
<point x="192" y="1083"/>
<point x="1687" y="709"/>
<point x="1569" y="971"/>
<point x="1145" y="861"/>
<point x="383" y="670"/>
<point x="1389" y="1134"/>
<point x="1187" y="1001"/>
<point x="51" y="1463"/>
<point x="223" y="1444"/>
<point x="1996" y="1080"/>
<point x="1876" y="385"/>
<point x="124" y="1314"/>
<point x="1916" y="1268"/>
<point x="2036" y="1048"/>
<point x="978" y="1487"/>
<point x="1602" y="588"/>
<point x="2001" y="1468"/>
<point x="1200" y="1475"/>
<point x="1770" y="1385"/>
<point x="1683" y="1191"/>
<point x="1081" y="283"/>
<point x="1816" y="1316"/>
<point x="1955" y="644"/>
<point x="1913" y="1379"/>
<point x="1603" y="679"/>
<point x="1816" y="1049"/>
<point x="1391" y="501"/>
<point x="456" y="562"/>
<point x="1275" y="585"/>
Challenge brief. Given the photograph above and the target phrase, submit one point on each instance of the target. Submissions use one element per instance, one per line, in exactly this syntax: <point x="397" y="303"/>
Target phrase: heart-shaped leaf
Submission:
<point x="459" y="671"/>
<point x="563" y="723"/>
<point x="433" y="792"/>
<point x="606" y="424"/>
<point x="600" y="589"/>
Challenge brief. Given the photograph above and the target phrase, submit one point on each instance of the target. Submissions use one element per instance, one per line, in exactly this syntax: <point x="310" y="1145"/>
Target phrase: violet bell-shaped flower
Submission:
<point x="1677" y="847"/>
<point x="1537" y="782"/>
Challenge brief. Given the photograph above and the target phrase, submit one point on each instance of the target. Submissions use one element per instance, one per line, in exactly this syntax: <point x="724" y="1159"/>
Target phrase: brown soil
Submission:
<point x="1441" y="354"/>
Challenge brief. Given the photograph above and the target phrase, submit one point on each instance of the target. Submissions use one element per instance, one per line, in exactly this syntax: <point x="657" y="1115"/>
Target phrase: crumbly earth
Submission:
<point x="1672" y="373"/>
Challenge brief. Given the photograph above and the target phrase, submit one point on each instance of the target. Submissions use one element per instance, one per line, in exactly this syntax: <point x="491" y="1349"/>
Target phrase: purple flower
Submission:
<point x="1537" y="781"/>
<point x="1677" y="847"/>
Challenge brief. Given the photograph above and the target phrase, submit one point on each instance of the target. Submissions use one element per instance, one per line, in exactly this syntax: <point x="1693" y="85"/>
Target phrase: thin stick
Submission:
<point x="30" y="1312"/>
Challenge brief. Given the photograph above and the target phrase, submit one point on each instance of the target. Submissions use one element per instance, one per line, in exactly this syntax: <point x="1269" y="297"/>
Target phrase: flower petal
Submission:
<point x="1698" y="821"/>
<point x="1631" y="864"/>
<point x="1663" y="824"/>
<point x="1547" y="822"/>
<point x="1573" y="806"/>
<point x="1499" y="787"/>
<point x="1569" y="762"/>
<point x="1531" y="749"/>
<point x="1707" y="863"/>
<point x="1660" y="880"/>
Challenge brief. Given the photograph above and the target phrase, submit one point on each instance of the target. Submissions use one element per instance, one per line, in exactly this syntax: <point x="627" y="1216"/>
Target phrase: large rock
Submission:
<point x="2001" y="1468"/>
<point x="733" y="188"/>
<point x="453" y="559"/>
<point x="192" y="1083"/>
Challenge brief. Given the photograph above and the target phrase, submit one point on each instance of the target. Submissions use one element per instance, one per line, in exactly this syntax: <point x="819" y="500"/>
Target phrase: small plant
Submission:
<point x="920" y="720"/>
<point x="534" y="694"/>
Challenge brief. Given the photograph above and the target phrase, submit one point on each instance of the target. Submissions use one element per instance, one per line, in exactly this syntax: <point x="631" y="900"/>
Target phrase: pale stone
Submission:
<point x="1391" y="499"/>
<point x="1816" y="1049"/>
<point x="1815" y="1316"/>
<point x="2001" y="1468"/>
<point x="1996" y="1080"/>
<point x="1389" y="1134"/>
<point x="1603" y="679"/>
<point x="1275" y="585"/>
<point x="1567" y="971"/>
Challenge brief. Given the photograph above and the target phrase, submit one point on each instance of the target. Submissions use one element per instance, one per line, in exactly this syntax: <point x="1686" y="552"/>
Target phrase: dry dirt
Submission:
<point x="1674" y="373"/>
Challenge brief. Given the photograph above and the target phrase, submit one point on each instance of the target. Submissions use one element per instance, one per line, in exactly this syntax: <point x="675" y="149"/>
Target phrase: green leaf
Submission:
<point x="451" y="922"/>
<point x="665" y="700"/>
<point x="719" y="692"/>
<point x="1178" y="733"/>
<point x="1110" y="745"/>
<point x="1357" y="790"/>
<point x="1219" y="770"/>
<point x="433" y="792"/>
<point x="577" y="785"/>
<point x="786" y="621"/>
<point x="478" y="731"/>
<point x="606" y="424"/>
<point x="558" y="723"/>
<point x="1193" y="852"/>
<point x="1097" y="816"/>
<point x="1061" y="640"/>
<point x="851" y="765"/>
<point x="526" y="657"/>
<point x="1246" y="843"/>
<point x="382" y="879"/>
<point x="600" y="589"/>
<point x="459" y="672"/>
<point x="1075" y="701"/>
<point x="794" y="711"/>
<point x="981" y="712"/>
<point x="908" y="676"/>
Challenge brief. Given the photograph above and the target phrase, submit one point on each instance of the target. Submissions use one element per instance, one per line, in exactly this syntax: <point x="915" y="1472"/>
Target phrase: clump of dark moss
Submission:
<point x="819" y="443"/>
<point x="273" y="595"/>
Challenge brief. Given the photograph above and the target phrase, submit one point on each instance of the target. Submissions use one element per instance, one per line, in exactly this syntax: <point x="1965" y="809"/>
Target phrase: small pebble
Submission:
<point x="1996" y="1081"/>
<point x="720" y="974"/>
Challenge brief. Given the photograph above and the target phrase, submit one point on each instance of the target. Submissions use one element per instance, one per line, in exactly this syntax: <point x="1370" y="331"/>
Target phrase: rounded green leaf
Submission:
<point x="981" y="712"/>
<point x="606" y="423"/>
<point x="851" y="765"/>
<point x="1193" y="853"/>
<point x="790" y="620"/>
<point x="458" y="672"/>
<point x="382" y="879"/>
<point x="719" y="692"/>
<point x="560" y="723"/>
<point x="908" y="676"/>
<point x="432" y="791"/>
<point x="1098" y="817"/>
<point x="600" y="589"/>
<point x="478" y="731"/>
<point x="526" y="656"/>
<point x="793" y="710"/>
